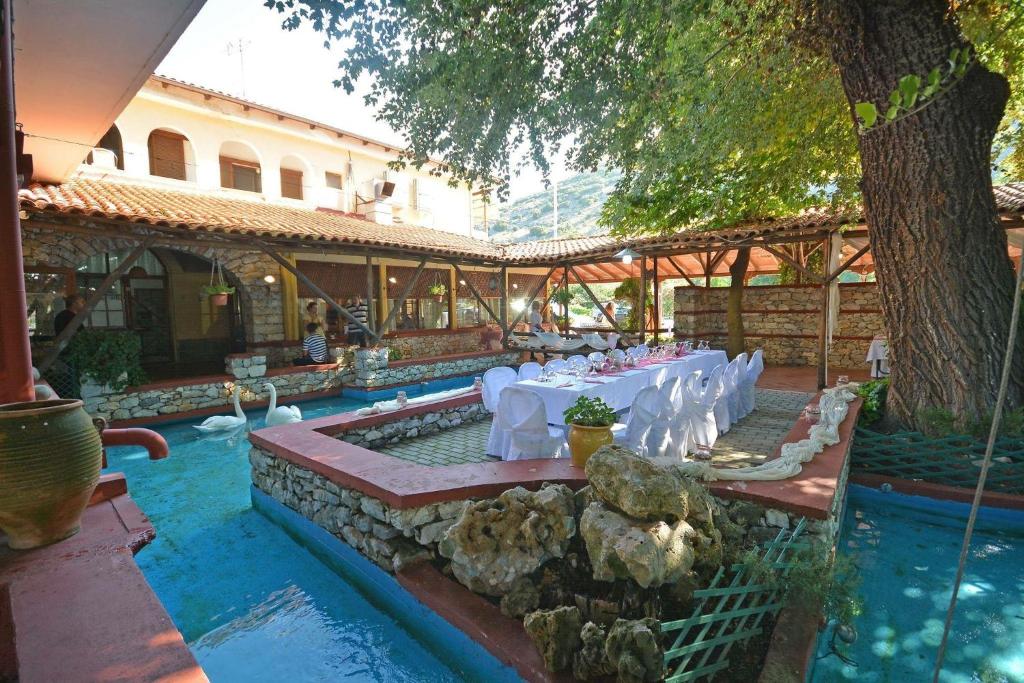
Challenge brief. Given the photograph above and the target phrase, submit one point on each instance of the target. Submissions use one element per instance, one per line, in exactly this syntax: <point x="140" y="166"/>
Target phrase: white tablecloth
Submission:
<point x="618" y="391"/>
<point x="878" y="356"/>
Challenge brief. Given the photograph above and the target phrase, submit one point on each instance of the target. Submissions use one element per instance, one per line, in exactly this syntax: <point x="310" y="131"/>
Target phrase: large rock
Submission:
<point x="523" y="597"/>
<point x="591" y="661"/>
<point x="497" y="541"/>
<point x="556" y="633"/>
<point x="650" y="553"/>
<point x="642" y="488"/>
<point x="634" y="650"/>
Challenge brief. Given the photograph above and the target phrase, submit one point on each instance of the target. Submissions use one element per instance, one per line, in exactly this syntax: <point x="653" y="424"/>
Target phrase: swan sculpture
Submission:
<point x="280" y="415"/>
<point x="224" y="423"/>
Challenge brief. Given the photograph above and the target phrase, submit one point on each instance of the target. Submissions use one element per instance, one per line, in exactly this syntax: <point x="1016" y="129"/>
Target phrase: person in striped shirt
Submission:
<point x="314" y="347"/>
<point x="359" y="311"/>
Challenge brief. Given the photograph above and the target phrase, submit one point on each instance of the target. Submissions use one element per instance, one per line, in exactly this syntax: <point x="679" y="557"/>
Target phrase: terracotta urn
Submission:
<point x="584" y="441"/>
<point x="50" y="456"/>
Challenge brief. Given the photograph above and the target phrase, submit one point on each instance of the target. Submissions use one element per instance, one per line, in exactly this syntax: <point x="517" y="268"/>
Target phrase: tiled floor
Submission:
<point x="749" y="442"/>
<point x="755" y="437"/>
<point x="457" y="446"/>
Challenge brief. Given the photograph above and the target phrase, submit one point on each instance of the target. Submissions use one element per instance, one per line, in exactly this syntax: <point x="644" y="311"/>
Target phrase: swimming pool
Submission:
<point x="252" y="604"/>
<point x="906" y="549"/>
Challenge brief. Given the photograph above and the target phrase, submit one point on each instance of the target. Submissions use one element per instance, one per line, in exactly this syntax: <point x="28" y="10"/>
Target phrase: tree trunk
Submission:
<point x="734" y="310"/>
<point x="945" y="279"/>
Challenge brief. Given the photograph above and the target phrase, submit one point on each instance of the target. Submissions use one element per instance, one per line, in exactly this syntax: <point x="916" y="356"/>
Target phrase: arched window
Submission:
<point x="170" y="154"/>
<point x="111" y="142"/>
<point x="240" y="167"/>
<point x="292" y="176"/>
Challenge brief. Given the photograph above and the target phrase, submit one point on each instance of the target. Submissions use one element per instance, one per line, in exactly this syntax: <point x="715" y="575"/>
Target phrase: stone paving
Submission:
<point x="756" y="437"/>
<point x="456" y="446"/>
<point x="749" y="442"/>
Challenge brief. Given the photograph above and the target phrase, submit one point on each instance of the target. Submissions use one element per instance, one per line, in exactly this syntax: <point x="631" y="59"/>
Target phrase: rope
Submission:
<point x="996" y="418"/>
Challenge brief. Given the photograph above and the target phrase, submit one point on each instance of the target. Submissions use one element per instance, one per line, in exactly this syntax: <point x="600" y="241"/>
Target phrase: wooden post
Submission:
<point x="400" y="301"/>
<point x="707" y="270"/>
<point x="65" y="335"/>
<point x="503" y="286"/>
<point x="453" y="300"/>
<point x="370" y="312"/>
<point x="382" y="297"/>
<point x="643" y="299"/>
<point x="822" y="333"/>
<point x="301" y="277"/>
<point x="657" y="300"/>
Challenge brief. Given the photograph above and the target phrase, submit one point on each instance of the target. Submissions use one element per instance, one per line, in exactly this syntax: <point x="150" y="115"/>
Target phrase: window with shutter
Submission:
<point x="332" y="180"/>
<point x="167" y="155"/>
<point x="291" y="183"/>
<point x="240" y="175"/>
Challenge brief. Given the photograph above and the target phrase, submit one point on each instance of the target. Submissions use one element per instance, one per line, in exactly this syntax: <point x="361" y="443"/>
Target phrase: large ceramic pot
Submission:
<point x="50" y="456"/>
<point x="583" y="441"/>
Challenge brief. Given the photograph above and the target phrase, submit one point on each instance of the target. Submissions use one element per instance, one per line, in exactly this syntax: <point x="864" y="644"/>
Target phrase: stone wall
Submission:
<point x="391" y="538"/>
<point x="261" y="301"/>
<point x="435" y="343"/>
<point x="372" y="371"/>
<point x="784" y="321"/>
<point x="411" y="427"/>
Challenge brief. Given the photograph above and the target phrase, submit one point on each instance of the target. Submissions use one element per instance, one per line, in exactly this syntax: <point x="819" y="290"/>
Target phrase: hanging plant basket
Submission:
<point x="218" y="290"/>
<point x="438" y="290"/>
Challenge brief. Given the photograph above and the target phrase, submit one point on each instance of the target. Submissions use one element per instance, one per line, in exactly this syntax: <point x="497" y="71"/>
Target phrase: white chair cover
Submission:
<point x="748" y="393"/>
<point x="529" y="370"/>
<point x="596" y="357"/>
<point x="521" y="412"/>
<point x="647" y="430"/>
<point x="495" y="380"/>
<point x="730" y="392"/>
<point x="643" y="347"/>
<point x="618" y="354"/>
<point x="741" y="377"/>
<point x="557" y="365"/>
<point x="578" y="361"/>
<point x="613" y="340"/>
<point x="672" y="389"/>
<point x="704" y="427"/>
<point x="633" y="351"/>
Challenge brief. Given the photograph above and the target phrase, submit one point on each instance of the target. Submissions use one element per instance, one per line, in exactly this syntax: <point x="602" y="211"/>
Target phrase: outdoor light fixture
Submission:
<point x="462" y="282"/>
<point x="515" y="285"/>
<point x="269" y="279"/>
<point x="627" y="255"/>
<point x="393" y="280"/>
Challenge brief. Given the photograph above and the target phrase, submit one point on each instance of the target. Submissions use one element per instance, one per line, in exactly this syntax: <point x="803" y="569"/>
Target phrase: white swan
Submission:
<point x="280" y="415"/>
<point x="224" y="423"/>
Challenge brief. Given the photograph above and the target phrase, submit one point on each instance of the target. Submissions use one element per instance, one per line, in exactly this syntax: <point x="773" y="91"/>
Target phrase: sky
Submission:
<point x="287" y="70"/>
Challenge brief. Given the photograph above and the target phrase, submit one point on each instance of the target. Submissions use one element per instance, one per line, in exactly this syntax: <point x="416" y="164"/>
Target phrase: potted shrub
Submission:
<point x="437" y="290"/>
<point x="590" y="423"/>
<point x="218" y="293"/>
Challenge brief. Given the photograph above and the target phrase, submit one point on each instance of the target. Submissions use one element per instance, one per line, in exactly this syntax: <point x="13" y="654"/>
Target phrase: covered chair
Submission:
<point x="672" y="389"/>
<point x="748" y="393"/>
<point x="618" y="354"/>
<point x="595" y="357"/>
<point x="647" y="429"/>
<point x="521" y="413"/>
<point x="578" y="361"/>
<point x="557" y="365"/>
<point x="529" y="370"/>
<point x="741" y="377"/>
<point x="495" y="380"/>
<point x="722" y="413"/>
<point x="613" y="340"/>
<point x="700" y="407"/>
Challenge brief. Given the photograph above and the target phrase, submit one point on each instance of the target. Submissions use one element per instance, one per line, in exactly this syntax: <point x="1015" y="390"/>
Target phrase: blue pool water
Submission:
<point x="253" y="605"/>
<point x="906" y="549"/>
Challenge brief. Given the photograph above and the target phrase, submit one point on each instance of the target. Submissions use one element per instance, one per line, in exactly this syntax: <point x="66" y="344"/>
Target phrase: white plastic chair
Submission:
<point x="529" y="370"/>
<point x="557" y="365"/>
<point x="578" y="361"/>
<point x="495" y="380"/>
<point x="521" y="412"/>
<point x="646" y="430"/>
<point x="748" y="392"/>
<point x="701" y="408"/>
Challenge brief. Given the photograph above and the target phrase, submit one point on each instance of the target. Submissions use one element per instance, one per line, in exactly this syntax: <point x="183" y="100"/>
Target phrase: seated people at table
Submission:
<point x="314" y="347"/>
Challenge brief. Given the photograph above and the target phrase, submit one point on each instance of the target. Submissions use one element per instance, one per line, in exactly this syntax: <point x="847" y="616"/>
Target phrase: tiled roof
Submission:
<point x="224" y="212"/>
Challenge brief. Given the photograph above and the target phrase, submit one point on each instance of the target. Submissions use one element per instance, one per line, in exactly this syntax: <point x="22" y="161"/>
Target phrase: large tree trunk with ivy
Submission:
<point x="734" y="310"/>
<point x="945" y="279"/>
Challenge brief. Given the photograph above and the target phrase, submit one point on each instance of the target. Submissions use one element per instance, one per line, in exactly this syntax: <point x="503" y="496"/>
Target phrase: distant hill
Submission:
<point x="580" y="199"/>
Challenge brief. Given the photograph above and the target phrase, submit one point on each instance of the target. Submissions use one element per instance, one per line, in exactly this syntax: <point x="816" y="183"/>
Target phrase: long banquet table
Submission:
<point x="618" y="390"/>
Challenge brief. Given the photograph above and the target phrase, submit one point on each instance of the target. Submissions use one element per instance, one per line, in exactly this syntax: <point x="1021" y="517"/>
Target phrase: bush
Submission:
<point x="394" y="354"/>
<point x="874" y="393"/>
<point x="107" y="357"/>
<point x="590" y="412"/>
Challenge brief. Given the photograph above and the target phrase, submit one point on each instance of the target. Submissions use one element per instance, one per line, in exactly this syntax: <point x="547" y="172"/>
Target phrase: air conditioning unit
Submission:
<point x="383" y="189"/>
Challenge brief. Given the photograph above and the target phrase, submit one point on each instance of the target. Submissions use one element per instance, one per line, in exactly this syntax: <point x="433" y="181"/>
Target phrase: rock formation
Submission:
<point x="556" y="633"/>
<point x="633" y="649"/>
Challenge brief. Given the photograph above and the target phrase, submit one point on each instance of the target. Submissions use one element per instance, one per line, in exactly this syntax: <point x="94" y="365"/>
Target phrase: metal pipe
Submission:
<point x="154" y="444"/>
<point x="15" y="351"/>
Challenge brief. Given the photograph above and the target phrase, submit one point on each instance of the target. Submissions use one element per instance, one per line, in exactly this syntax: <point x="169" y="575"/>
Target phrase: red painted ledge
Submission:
<point x="81" y="610"/>
<point x="403" y="484"/>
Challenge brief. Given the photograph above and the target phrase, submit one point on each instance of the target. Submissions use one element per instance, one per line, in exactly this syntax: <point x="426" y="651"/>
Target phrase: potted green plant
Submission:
<point x="218" y="293"/>
<point x="590" y="423"/>
<point x="563" y="297"/>
<point x="437" y="290"/>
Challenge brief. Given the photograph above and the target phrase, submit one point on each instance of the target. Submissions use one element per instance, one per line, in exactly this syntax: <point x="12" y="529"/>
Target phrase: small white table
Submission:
<point x="618" y="391"/>
<point x="878" y="356"/>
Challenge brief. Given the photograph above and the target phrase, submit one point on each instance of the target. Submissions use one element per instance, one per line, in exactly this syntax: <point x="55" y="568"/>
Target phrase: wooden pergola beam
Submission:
<point x="681" y="272"/>
<point x="62" y="339"/>
<point x="400" y="302"/>
<point x="590" y="293"/>
<point x="847" y="263"/>
<point x="476" y="294"/>
<point x="793" y="262"/>
<point x="529" y="302"/>
<point x="301" y="277"/>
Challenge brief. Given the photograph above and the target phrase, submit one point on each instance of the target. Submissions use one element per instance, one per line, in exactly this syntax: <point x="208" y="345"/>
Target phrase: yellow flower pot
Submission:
<point x="50" y="457"/>
<point x="584" y="441"/>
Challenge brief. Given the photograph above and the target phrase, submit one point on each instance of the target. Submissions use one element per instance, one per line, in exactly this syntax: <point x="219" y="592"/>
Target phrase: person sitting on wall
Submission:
<point x="314" y="347"/>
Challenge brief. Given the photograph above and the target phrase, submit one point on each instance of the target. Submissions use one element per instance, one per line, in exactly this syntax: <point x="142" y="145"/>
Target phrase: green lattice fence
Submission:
<point x="726" y="614"/>
<point x="952" y="460"/>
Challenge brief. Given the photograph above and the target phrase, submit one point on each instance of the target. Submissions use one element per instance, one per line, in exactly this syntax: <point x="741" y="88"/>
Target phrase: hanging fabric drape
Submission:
<point x="835" y="255"/>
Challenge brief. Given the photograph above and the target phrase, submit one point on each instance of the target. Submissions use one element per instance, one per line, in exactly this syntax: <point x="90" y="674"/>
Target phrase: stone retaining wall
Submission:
<point x="784" y="321"/>
<point x="434" y="344"/>
<point x="391" y="538"/>
<point x="372" y="371"/>
<point x="386" y="433"/>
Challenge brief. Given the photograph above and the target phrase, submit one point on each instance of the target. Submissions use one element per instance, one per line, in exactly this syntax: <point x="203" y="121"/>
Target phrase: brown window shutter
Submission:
<point x="167" y="155"/>
<point x="291" y="183"/>
<point x="225" y="173"/>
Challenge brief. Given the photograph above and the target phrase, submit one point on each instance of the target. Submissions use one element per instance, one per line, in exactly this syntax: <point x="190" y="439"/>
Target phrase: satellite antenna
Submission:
<point x="239" y="47"/>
